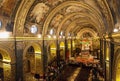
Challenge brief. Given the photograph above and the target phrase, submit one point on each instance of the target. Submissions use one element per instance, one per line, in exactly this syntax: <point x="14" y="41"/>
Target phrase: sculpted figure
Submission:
<point x="56" y="20"/>
<point x="54" y="2"/>
<point x="38" y="12"/>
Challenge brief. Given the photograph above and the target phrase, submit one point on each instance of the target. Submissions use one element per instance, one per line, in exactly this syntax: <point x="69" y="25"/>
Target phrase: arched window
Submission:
<point x="31" y="50"/>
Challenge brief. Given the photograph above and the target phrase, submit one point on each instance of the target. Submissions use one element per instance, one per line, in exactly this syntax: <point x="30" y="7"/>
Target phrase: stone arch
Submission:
<point x="79" y="20"/>
<point x="21" y="16"/>
<point x="35" y="45"/>
<point x="62" y="50"/>
<point x="52" y="53"/>
<point x="7" y="64"/>
<point x="32" y="61"/>
<point x="68" y="3"/>
<point x="26" y="5"/>
<point x="73" y="26"/>
<point x="8" y="53"/>
<point x="92" y="32"/>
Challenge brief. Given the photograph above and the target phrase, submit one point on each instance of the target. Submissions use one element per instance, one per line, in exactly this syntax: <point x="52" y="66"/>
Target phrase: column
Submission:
<point x="58" y="53"/>
<point x="111" y="58"/>
<point x="71" y="48"/>
<point x="66" y="50"/>
<point x="45" y="57"/>
<point x="104" y="57"/>
<point x="19" y="60"/>
<point x="108" y="59"/>
<point x="102" y="54"/>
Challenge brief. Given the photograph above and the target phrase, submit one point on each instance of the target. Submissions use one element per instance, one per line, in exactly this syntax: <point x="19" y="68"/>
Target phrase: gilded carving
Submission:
<point x="20" y="17"/>
<point x="56" y="20"/>
<point x="54" y="2"/>
<point x="39" y="12"/>
<point x="10" y="45"/>
<point x="73" y="8"/>
<point x="106" y="13"/>
<point x="6" y="7"/>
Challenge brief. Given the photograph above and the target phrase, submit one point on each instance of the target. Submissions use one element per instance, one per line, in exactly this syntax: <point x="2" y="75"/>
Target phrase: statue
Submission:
<point x="39" y="12"/>
<point x="56" y="20"/>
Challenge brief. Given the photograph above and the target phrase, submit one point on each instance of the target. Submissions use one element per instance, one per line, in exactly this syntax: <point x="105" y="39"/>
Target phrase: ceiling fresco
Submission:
<point x="69" y="16"/>
<point x="7" y="7"/>
<point x="40" y="11"/>
<point x="7" y="14"/>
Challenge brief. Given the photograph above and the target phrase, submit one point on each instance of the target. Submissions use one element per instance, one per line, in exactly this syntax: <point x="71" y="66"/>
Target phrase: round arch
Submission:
<point x="5" y="64"/>
<point x="32" y="61"/>
<point x="68" y="3"/>
<point x="5" y="56"/>
<point x="92" y="32"/>
<point x="80" y="20"/>
<point x="62" y="50"/>
<point x="8" y="54"/>
<point x="20" y="17"/>
<point x="37" y="47"/>
<point x="52" y="51"/>
<point x="26" y="5"/>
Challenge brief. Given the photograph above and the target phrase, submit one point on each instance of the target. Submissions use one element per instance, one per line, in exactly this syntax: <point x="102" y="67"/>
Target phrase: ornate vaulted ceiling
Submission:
<point x="93" y="17"/>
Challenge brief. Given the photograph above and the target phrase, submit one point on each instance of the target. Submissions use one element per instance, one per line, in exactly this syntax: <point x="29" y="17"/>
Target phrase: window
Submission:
<point x="31" y="50"/>
<point x="33" y="29"/>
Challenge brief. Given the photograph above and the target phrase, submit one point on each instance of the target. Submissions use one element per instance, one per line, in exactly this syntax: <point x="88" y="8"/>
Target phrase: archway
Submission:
<point x="5" y="66"/>
<point x="62" y="51"/>
<point x="33" y="62"/>
<point x="73" y="48"/>
<point x="52" y="53"/>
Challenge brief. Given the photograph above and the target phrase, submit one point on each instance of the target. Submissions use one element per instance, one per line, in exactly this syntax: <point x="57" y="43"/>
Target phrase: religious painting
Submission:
<point x="39" y="12"/>
<point x="56" y="20"/>
<point x="6" y="7"/>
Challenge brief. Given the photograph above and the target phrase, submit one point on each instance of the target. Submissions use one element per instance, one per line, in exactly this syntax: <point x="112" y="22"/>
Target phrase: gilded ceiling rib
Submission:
<point x="21" y="17"/>
<point x="98" y="24"/>
<point x="63" y="5"/>
<point x="94" y="34"/>
<point x="83" y="22"/>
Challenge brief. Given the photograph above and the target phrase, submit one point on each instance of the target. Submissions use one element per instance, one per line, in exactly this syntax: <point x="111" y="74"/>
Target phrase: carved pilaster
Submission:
<point x="45" y="56"/>
<point x="21" y="16"/>
<point x="19" y="60"/>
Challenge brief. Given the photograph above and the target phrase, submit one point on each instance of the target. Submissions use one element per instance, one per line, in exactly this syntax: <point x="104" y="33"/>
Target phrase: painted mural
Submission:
<point x="6" y="7"/>
<point x="56" y="20"/>
<point x="38" y="12"/>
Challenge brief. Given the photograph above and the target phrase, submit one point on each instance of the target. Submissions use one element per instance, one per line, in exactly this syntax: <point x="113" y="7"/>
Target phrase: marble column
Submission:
<point x="45" y="57"/>
<point x="19" y="60"/>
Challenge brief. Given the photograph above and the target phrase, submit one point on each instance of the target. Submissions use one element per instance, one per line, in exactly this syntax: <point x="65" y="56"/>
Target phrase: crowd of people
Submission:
<point x="96" y="73"/>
